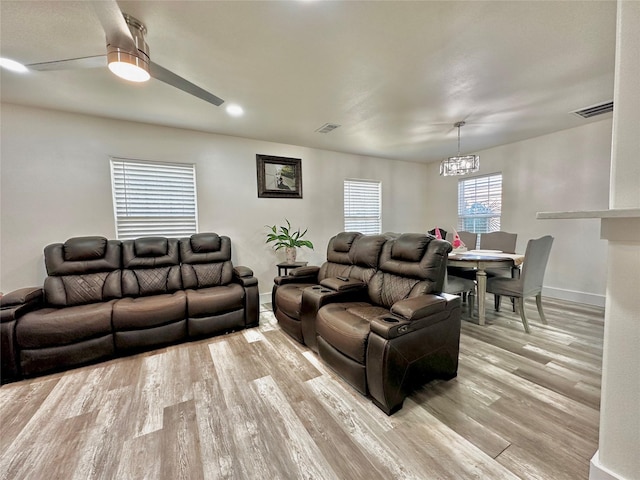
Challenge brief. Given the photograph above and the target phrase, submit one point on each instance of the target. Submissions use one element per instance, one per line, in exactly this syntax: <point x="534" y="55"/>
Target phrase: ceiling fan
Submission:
<point x="127" y="54"/>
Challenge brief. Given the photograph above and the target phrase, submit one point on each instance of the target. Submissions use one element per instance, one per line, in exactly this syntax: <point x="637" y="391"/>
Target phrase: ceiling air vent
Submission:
<point x="327" y="127"/>
<point x="594" y="110"/>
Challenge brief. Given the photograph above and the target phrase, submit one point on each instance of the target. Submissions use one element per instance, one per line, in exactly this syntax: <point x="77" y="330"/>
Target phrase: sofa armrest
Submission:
<point x="415" y="314"/>
<point x="308" y="274"/>
<point x="22" y="296"/>
<point x="242" y="272"/>
<point x="418" y="307"/>
<point x="314" y="298"/>
<point x="341" y="284"/>
<point x="244" y="276"/>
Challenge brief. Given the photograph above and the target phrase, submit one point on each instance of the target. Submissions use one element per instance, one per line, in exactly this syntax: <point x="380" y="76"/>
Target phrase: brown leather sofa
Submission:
<point x="104" y="298"/>
<point x="391" y="329"/>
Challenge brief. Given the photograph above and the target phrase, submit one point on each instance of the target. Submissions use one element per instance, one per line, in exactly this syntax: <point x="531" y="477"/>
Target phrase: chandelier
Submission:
<point x="460" y="164"/>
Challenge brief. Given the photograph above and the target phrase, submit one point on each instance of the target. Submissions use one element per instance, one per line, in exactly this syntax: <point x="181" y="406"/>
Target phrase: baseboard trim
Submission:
<point x="598" y="472"/>
<point x="574" y="296"/>
<point x="265" y="298"/>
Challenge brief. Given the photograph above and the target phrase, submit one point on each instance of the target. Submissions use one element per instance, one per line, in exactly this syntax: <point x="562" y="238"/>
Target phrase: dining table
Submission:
<point x="481" y="260"/>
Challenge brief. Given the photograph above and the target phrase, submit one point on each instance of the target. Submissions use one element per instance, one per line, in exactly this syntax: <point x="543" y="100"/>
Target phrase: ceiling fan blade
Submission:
<point x="170" y="78"/>
<point x="114" y="25"/>
<point x="71" y="63"/>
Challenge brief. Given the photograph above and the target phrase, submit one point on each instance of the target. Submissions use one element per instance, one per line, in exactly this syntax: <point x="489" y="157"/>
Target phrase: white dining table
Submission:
<point x="481" y="260"/>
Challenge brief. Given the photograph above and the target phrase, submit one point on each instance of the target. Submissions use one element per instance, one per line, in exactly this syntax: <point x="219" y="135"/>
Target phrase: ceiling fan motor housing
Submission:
<point x="139" y="58"/>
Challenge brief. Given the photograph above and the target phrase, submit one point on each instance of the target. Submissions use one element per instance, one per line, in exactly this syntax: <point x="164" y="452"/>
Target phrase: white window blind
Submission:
<point x="153" y="198"/>
<point x="362" y="206"/>
<point x="480" y="203"/>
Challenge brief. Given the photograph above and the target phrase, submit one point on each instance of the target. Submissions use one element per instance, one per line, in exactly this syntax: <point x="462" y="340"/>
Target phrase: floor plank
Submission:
<point x="256" y="404"/>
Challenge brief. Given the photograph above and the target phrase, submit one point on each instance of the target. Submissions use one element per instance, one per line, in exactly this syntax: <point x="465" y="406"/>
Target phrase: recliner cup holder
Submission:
<point x="324" y="290"/>
<point x="390" y="320"/>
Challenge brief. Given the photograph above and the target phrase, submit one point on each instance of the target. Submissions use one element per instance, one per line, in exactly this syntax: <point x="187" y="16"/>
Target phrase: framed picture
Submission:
<point x="279" y="177"/>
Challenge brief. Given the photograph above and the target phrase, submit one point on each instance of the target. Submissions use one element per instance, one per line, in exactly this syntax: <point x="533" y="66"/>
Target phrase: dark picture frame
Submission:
<point x="279" y="177"/>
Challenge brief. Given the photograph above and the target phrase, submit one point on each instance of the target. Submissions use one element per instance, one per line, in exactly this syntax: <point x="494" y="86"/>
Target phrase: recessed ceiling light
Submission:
<point x="12" y="65"/>
<point x="235" y="110"/>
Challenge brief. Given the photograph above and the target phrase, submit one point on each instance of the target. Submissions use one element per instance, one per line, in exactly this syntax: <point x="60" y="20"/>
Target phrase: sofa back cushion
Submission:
<point x="82" y="270"/>
<point x="206" y="260"/>
<point x="339" y="261"/>
<point x="410" y="265"/>
<point x="151" y="265"/>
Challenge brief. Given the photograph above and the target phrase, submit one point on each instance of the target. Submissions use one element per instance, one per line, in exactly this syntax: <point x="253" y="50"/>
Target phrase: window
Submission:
<point x="152" y="198"/>
<point x="362" y="206"/>
<point x="480" y="203"/>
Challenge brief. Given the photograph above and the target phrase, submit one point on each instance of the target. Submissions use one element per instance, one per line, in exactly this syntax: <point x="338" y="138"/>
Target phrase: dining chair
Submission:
<point x="461" y="286"/>
<point x="530" y="282"/>
<point x="469" y="239"/>
<point x="443" y="233"/>
<point x="505" y="242"/>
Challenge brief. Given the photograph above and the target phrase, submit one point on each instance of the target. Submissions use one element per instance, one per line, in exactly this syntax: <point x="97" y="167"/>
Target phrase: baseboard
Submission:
<point x="574" y="296"/>
<point x="599" y="472"/>
<point x="265" y="298"/>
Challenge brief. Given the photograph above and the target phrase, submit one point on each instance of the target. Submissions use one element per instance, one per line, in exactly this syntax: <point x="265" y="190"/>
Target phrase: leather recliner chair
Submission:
<point x="406" y="332"/>
<point x="352" y="259"/>
<point x="286" y="296"/>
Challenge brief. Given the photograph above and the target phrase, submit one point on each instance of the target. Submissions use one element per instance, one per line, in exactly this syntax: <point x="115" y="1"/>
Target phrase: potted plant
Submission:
<point x="285" y="237"/>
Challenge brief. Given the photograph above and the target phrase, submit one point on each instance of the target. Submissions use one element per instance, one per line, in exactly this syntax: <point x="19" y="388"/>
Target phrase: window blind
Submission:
<point x="480" y="203"/>
<point x="362" y="206"/>
<point x="153" y="198"/>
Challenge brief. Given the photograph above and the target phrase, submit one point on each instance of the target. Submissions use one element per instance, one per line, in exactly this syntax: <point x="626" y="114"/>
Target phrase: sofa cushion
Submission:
<point x="366" y="251"/>
<point x="79" y="256"/>
<point x="289" y="298"/>
<point x="70" y="290"/>
<point x="52" y="327"/>
<point x="215" y="300"/>
<point x="205" y="248"/>
<point x="84" y="248"/>
<point x="203" y="275"/>
<point x="339" y="247"/>
<point x="150" y="252"/>
<point x="151" y="246"/>
<point x="205" y="242"/>
<point x="346" y="327"/>
<point x="409" y="247"/>
<point x="146" y="312"/>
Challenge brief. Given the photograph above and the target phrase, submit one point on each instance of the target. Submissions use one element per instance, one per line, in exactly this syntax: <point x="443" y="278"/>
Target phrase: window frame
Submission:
<point x="354" y="223"/>
<point x="489" y="196"/>
<point x="166" y="221"/>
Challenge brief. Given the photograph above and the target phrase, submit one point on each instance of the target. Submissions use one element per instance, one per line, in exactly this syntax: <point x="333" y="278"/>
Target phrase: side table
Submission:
<point x="289" y="266"/>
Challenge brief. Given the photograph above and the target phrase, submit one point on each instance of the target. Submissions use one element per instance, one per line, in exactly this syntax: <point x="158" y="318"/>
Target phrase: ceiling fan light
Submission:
<point x="128" y="66"/>
<point x="12" y="65"/>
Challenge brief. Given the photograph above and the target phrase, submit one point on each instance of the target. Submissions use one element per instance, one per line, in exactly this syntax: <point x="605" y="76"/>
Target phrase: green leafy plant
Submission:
<point x="286" y="237"/>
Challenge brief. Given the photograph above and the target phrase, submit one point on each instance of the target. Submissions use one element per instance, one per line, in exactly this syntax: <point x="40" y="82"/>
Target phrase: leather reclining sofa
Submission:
<point x="104" y="298"/>
<point x="375" y="313"/>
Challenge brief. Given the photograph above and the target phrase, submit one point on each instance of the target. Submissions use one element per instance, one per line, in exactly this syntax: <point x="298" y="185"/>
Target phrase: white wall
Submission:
<point x="55" y="184"/>
<point x="566" y="170"/>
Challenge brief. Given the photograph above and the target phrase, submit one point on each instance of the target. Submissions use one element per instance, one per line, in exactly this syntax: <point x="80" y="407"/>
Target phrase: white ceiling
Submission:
<point x="396" y="75"/>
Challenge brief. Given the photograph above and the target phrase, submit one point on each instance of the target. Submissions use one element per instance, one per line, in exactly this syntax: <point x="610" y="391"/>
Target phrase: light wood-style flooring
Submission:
<point x="257" y="405"/>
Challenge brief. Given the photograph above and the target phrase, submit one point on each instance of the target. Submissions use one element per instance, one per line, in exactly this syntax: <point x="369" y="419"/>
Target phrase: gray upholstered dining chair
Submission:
<point x="461" y="286"/>
<point x="530" y="281"/>
<point x="469" y="239"/>
<point x="505" y="242"/>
